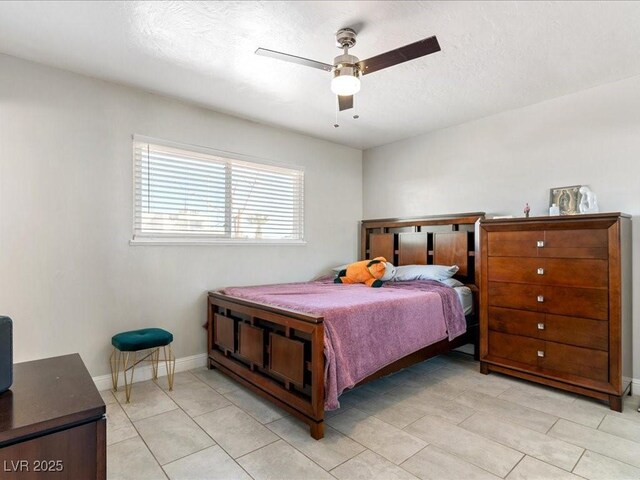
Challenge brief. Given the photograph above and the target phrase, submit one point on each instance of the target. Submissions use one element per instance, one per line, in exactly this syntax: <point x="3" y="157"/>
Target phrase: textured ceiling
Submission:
<point x="495" y="56"/>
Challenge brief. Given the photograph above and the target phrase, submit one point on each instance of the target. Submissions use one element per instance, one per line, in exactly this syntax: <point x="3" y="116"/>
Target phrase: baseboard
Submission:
<point x="144" y="372"/>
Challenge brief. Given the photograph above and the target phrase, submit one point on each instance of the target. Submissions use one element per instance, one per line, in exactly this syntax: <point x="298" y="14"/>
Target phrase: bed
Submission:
<point x="300" y="345"/>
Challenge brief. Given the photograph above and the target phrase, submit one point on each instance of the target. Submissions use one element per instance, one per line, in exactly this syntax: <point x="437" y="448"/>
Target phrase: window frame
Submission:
<point x="202" y="239"/>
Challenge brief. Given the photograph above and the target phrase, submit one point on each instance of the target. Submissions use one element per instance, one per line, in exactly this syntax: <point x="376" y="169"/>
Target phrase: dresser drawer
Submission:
<point x="549" y="243"/>
<point x="582" y="362"/>
<point x="514" y="347"/>
<point x="514" y="244"/>
<point x="578" y="302"/>
<point x="575" y="331"/>
<point x="515" y="322"/>
<point x="591" y="243"/>
<point x="550" y="357"/>
<point x="550" y="271"/>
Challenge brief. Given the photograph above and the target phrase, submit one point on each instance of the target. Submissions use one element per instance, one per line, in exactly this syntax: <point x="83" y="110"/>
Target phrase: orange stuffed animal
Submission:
<point x="370" y="272"/>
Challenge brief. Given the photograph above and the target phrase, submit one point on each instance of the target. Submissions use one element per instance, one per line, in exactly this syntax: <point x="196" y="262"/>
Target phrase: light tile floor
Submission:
<point x="439" y="420"/>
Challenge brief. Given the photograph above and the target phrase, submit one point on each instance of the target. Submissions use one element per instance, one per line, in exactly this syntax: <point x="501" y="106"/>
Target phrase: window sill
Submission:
<point x="190" y="242"/>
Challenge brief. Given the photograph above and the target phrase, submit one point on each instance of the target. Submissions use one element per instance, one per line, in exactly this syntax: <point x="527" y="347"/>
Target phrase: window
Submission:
<point x="191" y="194"/>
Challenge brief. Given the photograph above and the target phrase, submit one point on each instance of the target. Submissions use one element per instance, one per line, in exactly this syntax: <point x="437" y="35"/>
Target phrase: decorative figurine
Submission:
<point x="588" y="201"/>
<point x="527" y="209"/>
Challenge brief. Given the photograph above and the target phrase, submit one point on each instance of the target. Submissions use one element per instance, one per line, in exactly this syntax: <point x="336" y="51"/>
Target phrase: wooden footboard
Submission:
<point x="277" y="353"/>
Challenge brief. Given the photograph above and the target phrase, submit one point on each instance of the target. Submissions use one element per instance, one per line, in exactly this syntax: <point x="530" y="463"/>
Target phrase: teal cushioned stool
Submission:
<point x="147" y="340"/>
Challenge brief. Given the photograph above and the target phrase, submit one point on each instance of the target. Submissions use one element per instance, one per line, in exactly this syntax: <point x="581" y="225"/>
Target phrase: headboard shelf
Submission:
<point x="433" y="240"/>
<point x="447" y="219"/>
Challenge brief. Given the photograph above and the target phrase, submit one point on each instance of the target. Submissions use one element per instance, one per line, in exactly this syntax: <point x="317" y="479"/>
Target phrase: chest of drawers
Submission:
<point x="555" y="302"/>
<point x="52" y="423"/>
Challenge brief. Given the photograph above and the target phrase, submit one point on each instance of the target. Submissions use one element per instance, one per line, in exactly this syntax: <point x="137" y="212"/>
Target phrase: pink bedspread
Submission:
<point x="367" y="328"/>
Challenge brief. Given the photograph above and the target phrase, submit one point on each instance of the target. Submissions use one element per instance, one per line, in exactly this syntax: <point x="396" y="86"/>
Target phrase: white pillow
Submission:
<point x="452" y="282"/>
<point x="407" y="273"/>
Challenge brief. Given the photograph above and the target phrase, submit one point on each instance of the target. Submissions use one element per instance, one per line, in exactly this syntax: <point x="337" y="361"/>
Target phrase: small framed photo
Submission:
<point x="566" y="198"/>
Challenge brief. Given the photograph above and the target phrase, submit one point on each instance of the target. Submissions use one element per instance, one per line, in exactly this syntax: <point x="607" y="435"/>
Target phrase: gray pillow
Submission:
<point x="407" y="273"/>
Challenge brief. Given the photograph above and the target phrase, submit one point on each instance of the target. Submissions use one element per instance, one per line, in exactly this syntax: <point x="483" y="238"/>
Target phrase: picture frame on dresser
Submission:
<point x="566" y="198"/>
<point x="555" y="302"/>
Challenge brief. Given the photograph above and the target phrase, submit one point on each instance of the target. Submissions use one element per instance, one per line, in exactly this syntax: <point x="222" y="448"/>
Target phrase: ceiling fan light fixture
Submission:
<point x="347" y="69"/>
<point x="345" y="85"/>
<point x="346" y="79"/>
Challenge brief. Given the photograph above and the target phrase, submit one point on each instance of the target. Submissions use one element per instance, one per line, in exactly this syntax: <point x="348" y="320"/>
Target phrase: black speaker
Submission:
<point x="6" y="353"/>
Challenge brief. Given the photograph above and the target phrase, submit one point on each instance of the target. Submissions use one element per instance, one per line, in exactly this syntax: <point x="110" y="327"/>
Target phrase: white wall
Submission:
<point x="498" y="163"/>
<point x="68" y="276"/>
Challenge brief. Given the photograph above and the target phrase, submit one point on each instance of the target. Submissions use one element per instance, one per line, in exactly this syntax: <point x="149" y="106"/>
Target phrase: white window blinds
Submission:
<point x="189" y="194"/>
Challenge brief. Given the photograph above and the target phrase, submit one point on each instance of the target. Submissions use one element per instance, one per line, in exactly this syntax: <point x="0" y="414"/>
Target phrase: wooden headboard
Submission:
<point x="434" y="240"/>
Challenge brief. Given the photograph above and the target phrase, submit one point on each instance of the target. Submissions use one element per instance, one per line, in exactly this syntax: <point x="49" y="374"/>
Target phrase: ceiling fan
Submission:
<point x="347" y="69"/>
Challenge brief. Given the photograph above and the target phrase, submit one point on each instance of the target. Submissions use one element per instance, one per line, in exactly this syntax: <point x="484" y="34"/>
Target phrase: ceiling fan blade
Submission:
<point x="293" y="59"/>
<point x="345" y="102"/>
<point x="400" y="55"/>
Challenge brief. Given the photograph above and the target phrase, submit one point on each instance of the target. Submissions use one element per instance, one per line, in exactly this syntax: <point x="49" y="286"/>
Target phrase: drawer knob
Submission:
<point x="540" y="353"/>
<point x="541" y="271"/>
<point x="540" y="243"/>
<point x="541" y="326"/>
<point x="540" y="298"/>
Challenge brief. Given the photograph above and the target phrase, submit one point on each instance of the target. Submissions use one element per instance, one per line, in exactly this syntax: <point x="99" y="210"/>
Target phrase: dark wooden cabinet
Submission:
<point x="52" y="423"/>
<point x="555" y="303"/>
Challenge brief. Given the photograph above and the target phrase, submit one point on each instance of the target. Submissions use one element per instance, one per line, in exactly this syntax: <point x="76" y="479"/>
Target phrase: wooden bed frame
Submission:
<point x="279" y="353"/>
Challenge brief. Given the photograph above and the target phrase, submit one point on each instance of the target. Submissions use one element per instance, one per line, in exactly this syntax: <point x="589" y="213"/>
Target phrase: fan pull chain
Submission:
<point x="356" y="116"/>
<point x="336" y="125"/>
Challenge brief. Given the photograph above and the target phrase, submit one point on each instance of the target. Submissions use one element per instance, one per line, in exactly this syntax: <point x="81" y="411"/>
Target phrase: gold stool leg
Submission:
<point x="173" y="364"/>
<point x="114" y="362"/>
<point x="128" y="383"/>
<point x="155" y="357"/>
<point x="170" y="364"/>
<point x="121" y="357"/>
